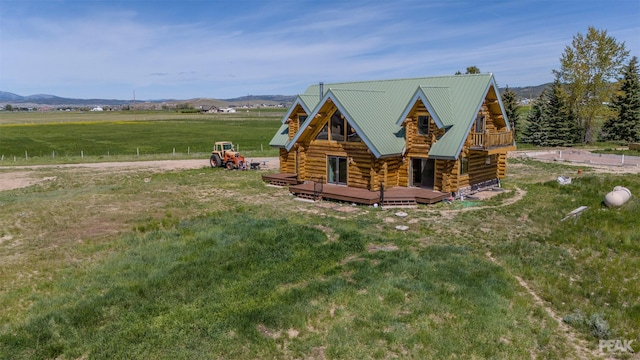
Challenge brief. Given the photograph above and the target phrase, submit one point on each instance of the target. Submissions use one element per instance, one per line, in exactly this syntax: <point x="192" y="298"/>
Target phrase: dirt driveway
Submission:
<point x="601" y="162"/>
<point x="15" y="177"/>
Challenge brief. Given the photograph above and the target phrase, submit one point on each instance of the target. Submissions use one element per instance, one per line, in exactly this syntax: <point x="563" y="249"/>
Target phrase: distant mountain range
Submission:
<point x="530" y="92"/>
<point x="52" y="100"/>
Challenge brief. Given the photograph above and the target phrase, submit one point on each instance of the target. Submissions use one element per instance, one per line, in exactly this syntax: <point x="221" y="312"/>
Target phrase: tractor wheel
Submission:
<point x="230" y="166"/>
<point x="215" y="161"/>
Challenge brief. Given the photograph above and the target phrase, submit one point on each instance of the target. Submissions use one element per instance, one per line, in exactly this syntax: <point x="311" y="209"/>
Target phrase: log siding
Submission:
<point x="486" y="151"/>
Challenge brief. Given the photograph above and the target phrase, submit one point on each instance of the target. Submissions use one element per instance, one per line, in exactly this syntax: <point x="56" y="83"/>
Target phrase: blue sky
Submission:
<point x="184" y="49"/>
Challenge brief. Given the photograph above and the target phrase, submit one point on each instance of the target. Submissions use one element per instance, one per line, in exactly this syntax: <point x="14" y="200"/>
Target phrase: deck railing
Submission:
<point x="490" y="140"/>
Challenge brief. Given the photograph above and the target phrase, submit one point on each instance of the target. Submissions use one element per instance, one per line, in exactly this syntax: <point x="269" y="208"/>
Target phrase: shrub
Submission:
<point x="599" y="326"/>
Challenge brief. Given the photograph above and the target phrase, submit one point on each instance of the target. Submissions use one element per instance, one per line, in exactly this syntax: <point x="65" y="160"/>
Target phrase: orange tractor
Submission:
<point x="224" y="155"/>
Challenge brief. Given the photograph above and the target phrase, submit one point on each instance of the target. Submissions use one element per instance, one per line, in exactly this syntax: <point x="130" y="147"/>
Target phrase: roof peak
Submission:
<point x="404" y="79"/>
<point x="357" y="90"/>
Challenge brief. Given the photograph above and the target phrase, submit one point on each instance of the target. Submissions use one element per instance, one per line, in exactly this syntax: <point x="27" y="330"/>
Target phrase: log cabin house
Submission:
<point x="416" y="140"/>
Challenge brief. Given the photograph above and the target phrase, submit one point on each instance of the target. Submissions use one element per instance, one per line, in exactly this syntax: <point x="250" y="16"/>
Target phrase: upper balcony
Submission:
<point x="491" y="140"/>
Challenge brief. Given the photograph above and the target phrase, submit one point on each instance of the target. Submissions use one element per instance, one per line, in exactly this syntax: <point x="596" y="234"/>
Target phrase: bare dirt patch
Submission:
<point x="21" y="179"/>
<point x="605" y="163"/>
<point x="388" y="247"/>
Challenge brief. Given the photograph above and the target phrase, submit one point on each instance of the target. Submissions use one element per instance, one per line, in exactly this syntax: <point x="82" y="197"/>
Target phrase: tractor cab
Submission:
<point x="223" y="146"/>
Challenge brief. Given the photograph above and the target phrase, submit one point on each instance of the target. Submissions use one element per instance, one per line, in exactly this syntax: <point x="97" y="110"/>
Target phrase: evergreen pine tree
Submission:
<point x="533" y="133"/>
<point x="511" y="108"/>
<point x="559" y="118"/>
<point x="552" y="121"/>
<point x="626" y="125"/>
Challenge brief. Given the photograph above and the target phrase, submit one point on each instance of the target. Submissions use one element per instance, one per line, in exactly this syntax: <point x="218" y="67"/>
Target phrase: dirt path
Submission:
<point x="15" y="177"/>
<point x="578" y="344"/>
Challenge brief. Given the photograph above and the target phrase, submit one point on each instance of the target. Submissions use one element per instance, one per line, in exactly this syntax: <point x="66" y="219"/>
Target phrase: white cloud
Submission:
<point x="107" y="52"/>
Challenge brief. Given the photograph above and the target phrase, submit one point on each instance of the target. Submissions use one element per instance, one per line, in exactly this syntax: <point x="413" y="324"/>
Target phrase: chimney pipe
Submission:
<point x="321" y="90"/>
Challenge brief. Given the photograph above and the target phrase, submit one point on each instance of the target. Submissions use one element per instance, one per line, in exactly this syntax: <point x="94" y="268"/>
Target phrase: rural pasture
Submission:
<point x="209" y="263"/>
<point x="62" y="137"/>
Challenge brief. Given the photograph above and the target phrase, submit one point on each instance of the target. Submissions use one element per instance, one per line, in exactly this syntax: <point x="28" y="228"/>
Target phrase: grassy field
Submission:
<point x="213" y="264"/>
<point x="210" y="263"/>
<point x="32" y="137"/>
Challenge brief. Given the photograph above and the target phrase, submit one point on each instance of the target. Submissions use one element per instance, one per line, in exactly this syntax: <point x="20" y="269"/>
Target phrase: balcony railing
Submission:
<point x="490" y="140"/>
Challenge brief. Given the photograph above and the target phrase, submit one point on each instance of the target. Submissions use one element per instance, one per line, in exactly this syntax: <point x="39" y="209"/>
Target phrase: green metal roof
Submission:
<point x="310" y="101"/>
<point x="377" y="109"/>
<point x="281" y="137"/>
<point x="438" y="102"/>
<point x="360" y="107"/>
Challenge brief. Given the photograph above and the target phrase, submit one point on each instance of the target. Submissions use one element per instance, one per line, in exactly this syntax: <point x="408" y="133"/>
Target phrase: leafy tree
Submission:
<point x="470" y="70"/>
<point x="8" y="107"/>
<point x="587" y="67"/>
<point x="511" y="108"/>
<point x="626" y="125"/>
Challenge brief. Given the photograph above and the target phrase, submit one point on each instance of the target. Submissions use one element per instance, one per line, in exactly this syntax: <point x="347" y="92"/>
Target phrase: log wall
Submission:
<point x="287" y="161"/>
<point x="502" y="165"/>
<point x="479" y="170"/>
<point x="359" y="162"/>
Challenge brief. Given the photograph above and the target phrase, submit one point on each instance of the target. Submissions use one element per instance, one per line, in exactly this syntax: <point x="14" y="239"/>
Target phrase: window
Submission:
<point x="324" y="133"/>
<point x="337" y="126"/>
<point x="338" y="129"/>
<point x="464" y="165"/>
<point x="479" y="124"/>
<point x="423" y="125"/>
<point x="302" y="119"/>
<point x="337" y="170"/>
<point x="351" y="133"/>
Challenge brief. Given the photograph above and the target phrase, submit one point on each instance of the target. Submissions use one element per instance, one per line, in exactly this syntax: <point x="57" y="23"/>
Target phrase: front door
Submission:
<point x="423" y="172"/>
<point x="337" y="170"/>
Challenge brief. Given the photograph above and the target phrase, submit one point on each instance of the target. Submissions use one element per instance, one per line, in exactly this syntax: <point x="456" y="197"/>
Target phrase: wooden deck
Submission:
<point x="281" y="179"/>
<point x="395" y="196"/>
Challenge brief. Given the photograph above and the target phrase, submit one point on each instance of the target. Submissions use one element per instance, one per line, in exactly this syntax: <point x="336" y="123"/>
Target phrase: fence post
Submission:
<point x="188" y="150"/>
<point x="137" y="151"/>
<point x="82" y="154"/>
<point x="174" y="151"/>
<point x="53" y="154"/>
<point x="26" y="155"/>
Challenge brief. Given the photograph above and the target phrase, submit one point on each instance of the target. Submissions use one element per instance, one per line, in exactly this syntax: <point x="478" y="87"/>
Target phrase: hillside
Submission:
<point x="527" y="92"/>
<point x="52" y="100"/>
<point x="530" y="92"/>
